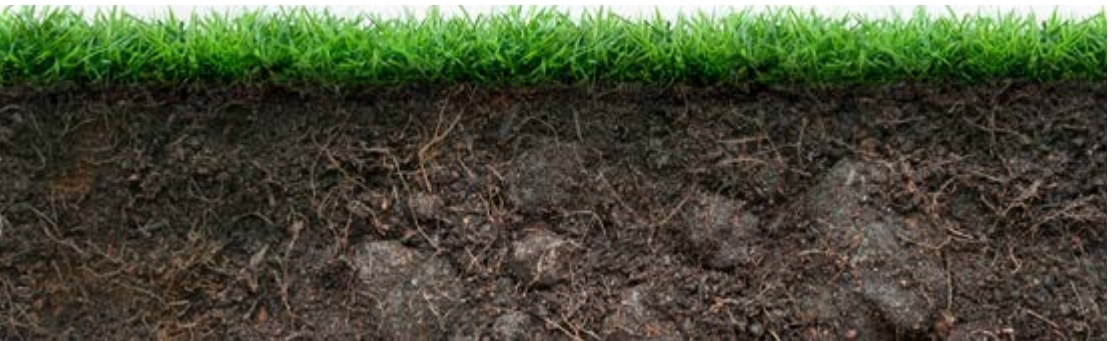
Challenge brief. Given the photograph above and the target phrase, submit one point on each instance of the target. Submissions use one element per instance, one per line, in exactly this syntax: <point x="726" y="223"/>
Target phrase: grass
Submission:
<point x="527" y="46"/>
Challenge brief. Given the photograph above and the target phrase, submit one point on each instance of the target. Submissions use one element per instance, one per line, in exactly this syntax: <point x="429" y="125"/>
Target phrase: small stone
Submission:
<point x="415" y="293"/>
<point x="385" y="263"/>
<point x="423" y="305"/>
<point x="539" y="258"/>
<point x="425" y="206"/>
<point x="546" y="178"/>
<point x="503" y="295"/>
<point x="720" y="231"/>
<point x="1065" y="309"/>
<point x="634" y="319"/>
<point x="513" y="325"/>
<point x="756" y="329"/>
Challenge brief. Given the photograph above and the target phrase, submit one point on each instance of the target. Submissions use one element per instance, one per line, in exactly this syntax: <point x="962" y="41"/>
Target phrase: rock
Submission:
<point x="890" y="276"/>
<point x="503" y="294"/>
<point x="840" y="198"/>
<point x="425" y="206"/>
<point x="721" y="231"/>
<point x="417" y="295"/>
<point x="756" y="329"/>
<point x="383" y="264"/>
<point x="425" y="305"/>
<point x="513" y="325"/>
<point x="842" y="310"/>
<point x="635" y="319"/>
<point x="540" y="257"/>
<point x="903" y="307"/>
<point x="546" y="178"/>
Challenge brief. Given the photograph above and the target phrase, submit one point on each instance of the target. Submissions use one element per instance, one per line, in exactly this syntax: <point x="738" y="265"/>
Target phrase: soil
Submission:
<point x="901" y="211"/>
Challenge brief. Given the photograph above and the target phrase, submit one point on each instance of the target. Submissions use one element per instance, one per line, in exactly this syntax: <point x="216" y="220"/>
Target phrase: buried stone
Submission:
<point x="903" y="283"/>
<point x="547" y="178"/>
<point x="539" y="257"/>
<point x="634" y="318"/>
<point x="721" y="231"/>
<point x="425" y="206"/>
<point x="842" y="310"/>
<point x="513" y="325"/>
<point x="417" y="295"/>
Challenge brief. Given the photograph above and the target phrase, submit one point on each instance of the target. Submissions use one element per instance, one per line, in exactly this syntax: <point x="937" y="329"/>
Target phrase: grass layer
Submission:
<point x="525" y="46"/>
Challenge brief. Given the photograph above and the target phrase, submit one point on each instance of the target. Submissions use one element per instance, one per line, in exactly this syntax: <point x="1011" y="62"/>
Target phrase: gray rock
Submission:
<point x="633" y="318"/>
<point x="383" y="264"/>
<point x="841" y="198"/>
<point x="540" y="257"/>
<point x="425" y="206"/>
<point x="756" y="329"/>
<point x="892" y="277"/>
<point x="425" y="305"/>
<point x="721" y="231"/>
<point x="547" y="178"/>
<point x="845" y="311"/>
<point x="513" y="325"/>
<point x="903" y="307"/>
<point x="418" y="295"/>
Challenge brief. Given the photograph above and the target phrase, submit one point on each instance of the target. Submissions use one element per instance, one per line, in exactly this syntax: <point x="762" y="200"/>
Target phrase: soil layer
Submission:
<point x="903" y="211"/>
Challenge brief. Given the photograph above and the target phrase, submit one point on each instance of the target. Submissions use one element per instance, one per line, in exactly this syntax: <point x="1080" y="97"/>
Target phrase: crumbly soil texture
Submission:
<point x="885" y="212"/>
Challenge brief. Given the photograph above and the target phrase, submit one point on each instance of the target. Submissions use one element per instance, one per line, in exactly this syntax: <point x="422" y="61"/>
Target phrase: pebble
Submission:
<point x="756" y="329"/>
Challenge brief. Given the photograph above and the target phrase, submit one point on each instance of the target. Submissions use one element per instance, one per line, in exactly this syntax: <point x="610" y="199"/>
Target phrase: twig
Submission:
<point x="3" y="224"/>
<point x="740" y="159"/>
<point x="671" y="214"/>
<point x="566" y="332"/>
<point x="439" y="136"/>
<point x="578" y="130"/>
<point x="1015" y="261"/>
<point x="1041" y="318"/>
<point x="51" y="235"/>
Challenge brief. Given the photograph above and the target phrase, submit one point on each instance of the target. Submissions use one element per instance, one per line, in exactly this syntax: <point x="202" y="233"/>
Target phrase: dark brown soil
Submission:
<point x="904" y="211"/>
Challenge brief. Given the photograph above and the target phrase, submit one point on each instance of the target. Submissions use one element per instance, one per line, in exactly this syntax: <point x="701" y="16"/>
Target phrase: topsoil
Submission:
<point x="886" y="212"/>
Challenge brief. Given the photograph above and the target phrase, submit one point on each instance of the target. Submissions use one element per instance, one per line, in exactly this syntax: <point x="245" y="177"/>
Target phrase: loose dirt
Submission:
<point x="902" y="211"/>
